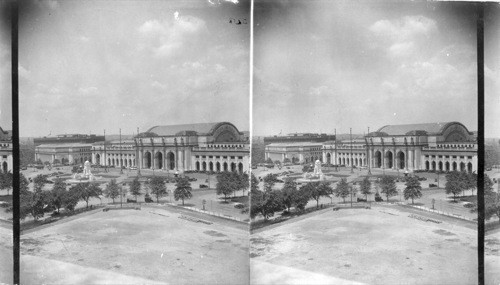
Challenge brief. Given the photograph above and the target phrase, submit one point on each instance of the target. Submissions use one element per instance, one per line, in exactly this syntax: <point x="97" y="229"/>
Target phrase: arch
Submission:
<point x="233" y="167"/>
<point x="447" y="166"/>
<point x="462" y="166"/>
<point x="81" y="159"/>
<point x="388" y="159"/>
<point x="427" y="165"/>
<point x="224" y="166"/>
<point x="328" y="158"/>
<point x="211" y="166"/>
<point x="109" y="161"/>
<point x="147" y="159"/>
<point x="204" y="166"/>
<point x="171" y="160"/>
<point x="378" y="159"/>
<point x="401" y="160"/>
<point x="197" y="165"/>
<point x="454" y="165"/>
<point x="433" y="165"/>
<point x="217" y="166"/>
<point x="130" y="162"/>
<point x="440" y="166"/>
<point x="5" y="167"/>
<point x="469" y="167"/>
<point x="240" y="167"/>
<point x="340" y="160"/>
<point x="98" y="159"/>
<point x="159" y="160"/>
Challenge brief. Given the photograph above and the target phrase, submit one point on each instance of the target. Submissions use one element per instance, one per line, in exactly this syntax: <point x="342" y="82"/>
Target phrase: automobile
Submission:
<point x="24" y="168"/>
<point x="203" y="186"/>
<point x="488" y="169"/>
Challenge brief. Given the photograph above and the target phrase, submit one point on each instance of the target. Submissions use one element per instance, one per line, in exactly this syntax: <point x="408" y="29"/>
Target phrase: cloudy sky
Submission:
<point x="321" y="65"/>
<point x="86" y="66"/>
<point x="5" y="69"/>
<point x="492" y="71"/>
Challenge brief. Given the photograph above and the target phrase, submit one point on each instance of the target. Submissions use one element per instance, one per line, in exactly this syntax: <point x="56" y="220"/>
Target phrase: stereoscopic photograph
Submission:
<point x="134" y="120"/>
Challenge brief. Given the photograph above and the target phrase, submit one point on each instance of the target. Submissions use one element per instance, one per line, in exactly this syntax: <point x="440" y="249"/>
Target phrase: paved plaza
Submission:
<point x="153" y="245"/>
<point x="383" y="245"/>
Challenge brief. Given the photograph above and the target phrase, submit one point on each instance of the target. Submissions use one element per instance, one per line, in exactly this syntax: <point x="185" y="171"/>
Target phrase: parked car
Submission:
<point x="203" y="186"/>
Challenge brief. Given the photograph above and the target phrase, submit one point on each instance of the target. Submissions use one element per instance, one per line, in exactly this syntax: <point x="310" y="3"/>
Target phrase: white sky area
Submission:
<point x="5" y="71"/>
<point x="86" y="66"/>
<point x="492" y="72"/>
<point x="321" y="65"/>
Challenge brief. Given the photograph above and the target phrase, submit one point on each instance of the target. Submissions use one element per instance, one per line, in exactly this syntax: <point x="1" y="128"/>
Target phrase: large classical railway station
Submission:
<point x="5" y="150"/>
<point x="442" y="146"/>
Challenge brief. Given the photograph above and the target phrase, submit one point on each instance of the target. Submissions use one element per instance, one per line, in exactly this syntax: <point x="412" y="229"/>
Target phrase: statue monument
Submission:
<point x="86" y="175"/>
<point x="317" y="173"/>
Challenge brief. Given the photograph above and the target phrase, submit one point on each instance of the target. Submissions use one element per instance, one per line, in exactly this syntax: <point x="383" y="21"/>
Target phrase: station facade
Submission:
<point x="295" y="152"/>
<point x="66" y="153"/>
<point x="204" y="147"/>
<point x="436" y="146"/>
<point x="6" y="160"/>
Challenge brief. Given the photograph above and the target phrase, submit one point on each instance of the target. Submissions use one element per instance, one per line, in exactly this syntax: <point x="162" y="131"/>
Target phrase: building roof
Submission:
<point x="296" y="144"/>
<point x="5" y="135"/>
<point x="184" y="129"/>
<point x="66" y="145"/>
<point x="408" y="129"/>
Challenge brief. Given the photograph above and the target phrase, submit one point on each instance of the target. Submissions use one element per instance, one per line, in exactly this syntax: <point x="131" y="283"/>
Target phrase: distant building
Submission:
<point x="69" y="138"/>
<point x="66" y="153"/>
<point x="296" y="152"/>
<point x="298" y="137"/>
<point x="6" y="162"/>
<point x="204" y="147"/>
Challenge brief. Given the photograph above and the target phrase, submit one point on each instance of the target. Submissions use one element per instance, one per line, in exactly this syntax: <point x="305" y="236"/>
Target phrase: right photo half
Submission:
<point x="364" y="143"/>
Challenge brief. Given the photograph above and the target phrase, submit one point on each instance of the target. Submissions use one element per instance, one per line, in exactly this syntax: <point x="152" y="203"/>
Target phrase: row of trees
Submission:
<point x="269" y="201"/>
<point x="6" y="181"/>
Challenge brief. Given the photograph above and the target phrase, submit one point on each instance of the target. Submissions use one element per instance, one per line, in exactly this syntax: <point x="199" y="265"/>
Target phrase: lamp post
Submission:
<point x="350" y="158"/>
<point x="121" y="159"/>
<point x="336" y="169"/>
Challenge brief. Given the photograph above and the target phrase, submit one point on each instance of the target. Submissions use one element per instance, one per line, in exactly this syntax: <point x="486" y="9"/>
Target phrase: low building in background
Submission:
<point x="6" y="163"/>
<point x="65" y="153"/>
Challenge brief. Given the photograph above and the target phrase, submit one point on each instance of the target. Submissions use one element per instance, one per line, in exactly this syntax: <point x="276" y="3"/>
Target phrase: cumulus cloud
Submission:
<point x="170" y="36"/>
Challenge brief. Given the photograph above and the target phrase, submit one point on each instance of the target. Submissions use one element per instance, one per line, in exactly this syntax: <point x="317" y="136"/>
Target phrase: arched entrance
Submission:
<point x="401" y="160"/>
<point x="469" y="167"/>
<point x="233" y="167"/>
<point x="454" y="165"/>
<point x="97" y="159"/>
<point x="440" y="166"/>
<point x="462" y="166"/>
<point x="109" y="161"/>
<point x="147" y="159"/>
<point x="5" y="167"/>
<point x="388" y="159"/>
<point x="204" y="166"/>
<point x="171" y="160"/>
<point x="225" y="166"/>
<point x="378" y="159"/>
<point x="328" y="158"/>
<point x="217" y="166"/>
<point x="159" y="160"/>
<point x="426" y="165"/>
<point x="240" y="167"/>
<point x="211" y="166"/>
<point x="197" y="166"/>
<point x="433" y="165"/>
<point x="447" y="166"/>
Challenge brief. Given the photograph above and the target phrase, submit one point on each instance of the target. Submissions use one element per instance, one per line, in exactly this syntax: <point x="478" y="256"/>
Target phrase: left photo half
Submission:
<point x="134" y="119"/>
<point x="6" y="157"/>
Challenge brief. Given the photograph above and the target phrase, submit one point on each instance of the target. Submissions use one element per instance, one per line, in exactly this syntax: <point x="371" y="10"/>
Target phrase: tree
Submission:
<point x="112" y="190"/>
<point x="70" y="199"/>
<point x="317" y="190"/>
<point x="454" y="184"/>
<point x="6" y="181"/>
<point x="87" y="191"/>
<point x="307" y="168"/>
<point x="491" y="199"/>
<point x="57" y="194"/>
<point x="254" y="184"/>
<point x="158" y="187"/>
<point x="39" y="182"/>
<point x="225" y="184"/>
<point x="24" y="197"/>
<point x="286" y="160"/>
<point x="269" y="181"/>
<point x="271" y="203"/>
<point x="301" y="199"/>
<point x="342" y="189"/>
<point x="289" y="191"/>
<point x="471" y="182"/>
<point x="413" y="189"/>
<point x="388" y="186"/>
<point x="56" y="161"/>
<point x="240" y="181"/>
<point x="366" y="187"/>
<point x="182" y="190"/>
<point x="135" y="188"/>
<point x="269" y="160"/>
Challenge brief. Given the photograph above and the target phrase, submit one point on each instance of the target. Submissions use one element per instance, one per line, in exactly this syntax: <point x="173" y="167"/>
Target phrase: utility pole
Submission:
<point x="350" y="159"/>
<point x="105" y="158"/>
<point x="121" y="160"/>
<point x="369" y="160"/>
